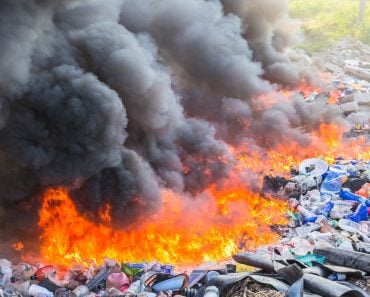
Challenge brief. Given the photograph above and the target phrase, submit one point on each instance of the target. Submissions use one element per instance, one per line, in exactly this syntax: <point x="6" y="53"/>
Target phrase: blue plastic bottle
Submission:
<point x="326" y="211"/>
<point x="333" y="181"/>
<point x="310" y="220"/>
<point x="346" y="195"/>
<point x="361" y="214"/>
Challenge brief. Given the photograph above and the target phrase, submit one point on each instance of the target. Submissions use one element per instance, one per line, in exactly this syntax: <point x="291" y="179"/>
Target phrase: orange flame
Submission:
<point x="104" y="213"/>
<point x="18" y="246"/>
<point x="183" y="232"/>
<point x="334" y="97"/>
<point x="327" y="143"/>
<point x="190" y="230"/>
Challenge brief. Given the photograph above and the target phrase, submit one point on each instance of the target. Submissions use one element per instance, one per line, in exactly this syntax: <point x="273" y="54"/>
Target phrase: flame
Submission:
<point x="334" y="97"/>
<point x="190" y="230"/>
<point x="327" y="143"/>
<point x="18" y="246"/>
<point x="104" y="213"/>
<point x="180" y="233"/>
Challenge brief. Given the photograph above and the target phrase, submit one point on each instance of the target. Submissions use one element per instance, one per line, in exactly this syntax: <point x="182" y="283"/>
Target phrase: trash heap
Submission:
<point x="354" y="101"/>
<point x="110" y="279"/>
<point x="336" y="197"/>
<point x="348" y="56"/>
<point x="324" y="251"/>
<point x="349" y="62"/>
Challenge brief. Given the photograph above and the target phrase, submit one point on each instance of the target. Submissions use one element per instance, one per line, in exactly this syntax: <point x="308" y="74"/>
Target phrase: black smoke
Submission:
<point x="118" y="99"/>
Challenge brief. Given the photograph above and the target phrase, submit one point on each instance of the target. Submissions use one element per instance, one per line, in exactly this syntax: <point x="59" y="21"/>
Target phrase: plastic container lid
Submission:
<point x="314" y="167"/>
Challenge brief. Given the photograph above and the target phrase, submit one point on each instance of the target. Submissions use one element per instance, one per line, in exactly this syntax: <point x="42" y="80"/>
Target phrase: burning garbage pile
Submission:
<point x="324" y="250"/>
<point x="142" y="130"/>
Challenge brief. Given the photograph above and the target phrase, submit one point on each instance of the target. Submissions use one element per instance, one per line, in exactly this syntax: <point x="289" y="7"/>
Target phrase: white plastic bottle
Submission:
<point x="212" y="291"/>
<point x="348" y="225"/>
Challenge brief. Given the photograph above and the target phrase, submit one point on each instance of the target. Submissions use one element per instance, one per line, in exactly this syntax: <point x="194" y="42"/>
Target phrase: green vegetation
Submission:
<point x="326" y="21"/>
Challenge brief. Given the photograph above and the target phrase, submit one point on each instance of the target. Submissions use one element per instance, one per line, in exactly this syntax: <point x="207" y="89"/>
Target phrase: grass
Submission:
<point x="326" y="21"/>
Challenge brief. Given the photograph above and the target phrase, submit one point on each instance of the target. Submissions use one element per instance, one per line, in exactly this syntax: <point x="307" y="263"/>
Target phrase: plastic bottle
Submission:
<point x="22" y="287"/>
<point x="79" y="291"/>
<point x="345" y="244"/>
<point x="5" y="272"/>
<point x="308" y="228"/>
<point x="316" y="235"/>
<point x="352" y="170"/>
<point x="310" y="220"/>
<point x="361" y="214"/>
<point x="341" y="209"/>
<point x="363" y="247"/>
<point x="346" y="195"/>
<point x="365" y="227"/>
<point x="135" y="288"/>
<point x="211" y="275"/>
<point x="314" y="196"/>
<point x="333" y="181"/>
<point x="307" y="182"/>
<point x="212" y="291"/>
<point x="35" y="290"/>
<point x="337" y="276"/>
<point x="325" y="212"/>
<point x="305" y="212"/>
<point x="348" y="225"/>
<point x="147" y="294"/>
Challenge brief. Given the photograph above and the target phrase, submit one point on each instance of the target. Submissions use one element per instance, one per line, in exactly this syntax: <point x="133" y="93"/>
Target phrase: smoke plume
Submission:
<point x="118" y="99"/>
